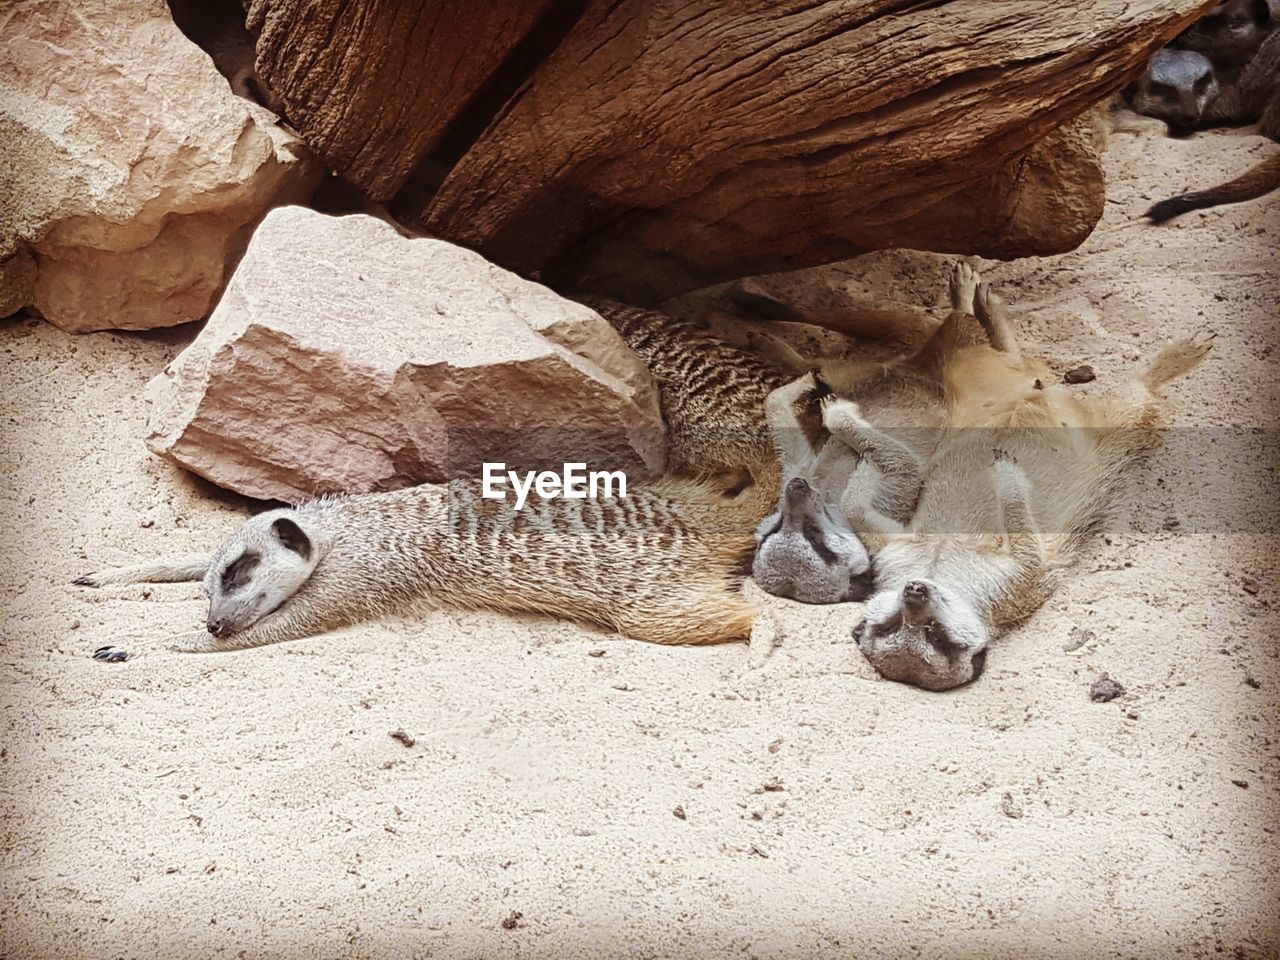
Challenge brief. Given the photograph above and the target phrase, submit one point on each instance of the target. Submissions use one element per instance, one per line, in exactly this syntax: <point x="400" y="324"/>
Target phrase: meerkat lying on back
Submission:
<point x="806" y="550"/>
<point x="664" y="563"/>
<point x="1022" y="473"/>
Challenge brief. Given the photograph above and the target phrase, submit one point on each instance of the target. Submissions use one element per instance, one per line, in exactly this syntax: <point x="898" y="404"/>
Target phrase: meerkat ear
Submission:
<point x="291" y="536"/>
<point x="1261" y="12"/>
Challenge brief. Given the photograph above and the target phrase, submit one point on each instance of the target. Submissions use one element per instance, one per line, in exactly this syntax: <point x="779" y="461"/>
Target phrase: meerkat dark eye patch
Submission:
<point x="239" y="571"/>
<point x="937" y="635"/>
<point x="861" y="586"/>
<point x="887" y="627"/>
<point x="812" y="534"/>
<point x="291" y="536"/>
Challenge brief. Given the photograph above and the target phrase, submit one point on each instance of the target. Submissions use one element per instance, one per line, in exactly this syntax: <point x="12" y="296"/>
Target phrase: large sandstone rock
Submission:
<point x="664" y="146"/>
<point x="419" y="70"/>
<point x="131" y="175"/>
<point x="344" y="357"/>
<point x="648" y="147"/>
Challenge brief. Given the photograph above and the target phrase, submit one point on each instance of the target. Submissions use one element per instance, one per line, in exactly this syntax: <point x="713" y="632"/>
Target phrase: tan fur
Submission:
<point x="903" y="397"/>
<point x="664" y="564"/>
<point x="712" y="393"/>
<point x="1022" y="472"/>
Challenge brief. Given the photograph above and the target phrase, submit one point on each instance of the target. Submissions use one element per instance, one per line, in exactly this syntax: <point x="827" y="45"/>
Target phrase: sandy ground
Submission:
<point x="255" y="804"/>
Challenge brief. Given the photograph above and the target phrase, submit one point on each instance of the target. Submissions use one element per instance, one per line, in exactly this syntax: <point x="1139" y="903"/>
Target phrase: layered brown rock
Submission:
<point x="375" y="86"/>
<point x="131" y="174"/>
<point x="344" y="357"/>
<point x="667" y="145"/>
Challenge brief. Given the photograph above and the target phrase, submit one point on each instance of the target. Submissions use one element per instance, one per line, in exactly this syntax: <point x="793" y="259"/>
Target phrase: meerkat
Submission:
<point x="1231" y="33"/>
<point x="1176" y="87"/>
<point x="1023" y="472"/>
<point x="806" y="549"/>
<point x="1191" y="90"/>
<point x="712" y="394"/>
<point x="665" y="563"/>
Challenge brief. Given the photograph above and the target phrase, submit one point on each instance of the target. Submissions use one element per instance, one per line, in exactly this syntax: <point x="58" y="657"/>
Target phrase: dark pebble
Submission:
<point x="1104" y="689"/>
<point x="1081" y="374"/>
<point x="111" y="655"/>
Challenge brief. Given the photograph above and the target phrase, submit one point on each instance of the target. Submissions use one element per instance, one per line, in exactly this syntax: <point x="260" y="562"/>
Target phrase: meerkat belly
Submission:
<point x="1061" y="463"/>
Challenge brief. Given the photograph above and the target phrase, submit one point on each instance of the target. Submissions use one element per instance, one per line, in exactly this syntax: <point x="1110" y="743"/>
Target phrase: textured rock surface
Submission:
<point x="344" y="357"/>
<point x="128" y="169"/>
<point x="668" y="145"/>
<point x="375" y="116"/>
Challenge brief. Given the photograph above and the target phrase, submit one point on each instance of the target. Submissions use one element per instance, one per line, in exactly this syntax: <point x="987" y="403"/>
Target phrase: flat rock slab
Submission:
<point x="131" y="175"/>
<point x="344" y="357"/>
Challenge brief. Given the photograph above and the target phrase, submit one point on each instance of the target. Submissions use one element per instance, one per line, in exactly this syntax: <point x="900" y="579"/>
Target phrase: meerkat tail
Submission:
<point x="1175" y="360"/>
<point x="178" y="570"/>
<point x="1261" y="180"/>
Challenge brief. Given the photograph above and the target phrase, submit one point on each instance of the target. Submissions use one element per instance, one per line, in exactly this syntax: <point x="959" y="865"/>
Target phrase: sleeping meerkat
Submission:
<point x="712" y="393"/>
<point x="664" y="564"/>
<point x="806" y="549"/>
<point x="1021" y="475"/>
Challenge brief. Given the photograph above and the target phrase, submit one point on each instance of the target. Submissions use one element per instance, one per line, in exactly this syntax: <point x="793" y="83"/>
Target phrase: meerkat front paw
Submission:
<point x="840" y="414"/>
<point x="962" y="286"/>
<point x="785" y="396"/>
<point x="196" y="642"/>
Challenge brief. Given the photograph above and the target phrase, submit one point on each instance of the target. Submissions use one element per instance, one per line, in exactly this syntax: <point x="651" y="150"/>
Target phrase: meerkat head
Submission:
<point x="925" y="635"/>
<point x="1231" y="33"/>
<point x="255" y="572"/>
<point x="806" y="551"/>
<point x="1177" y="88"/>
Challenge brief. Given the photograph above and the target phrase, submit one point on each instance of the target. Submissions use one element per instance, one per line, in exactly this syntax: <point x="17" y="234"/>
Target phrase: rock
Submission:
<point x="344" y="357"/>
<point x="643" y="150"/>
<point x="645" y="157"/>
<point x="678" y="813"/>
<point x="133" y="176"/>
<point x="1250" y="585"/>
<point x="375" y="88"/>
<point x="1081" y="374"/>
<point x="17" y="281"/>
<point x="1105" y="689"/>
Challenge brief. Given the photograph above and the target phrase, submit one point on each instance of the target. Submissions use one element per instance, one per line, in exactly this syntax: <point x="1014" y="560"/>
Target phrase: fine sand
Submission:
<point x="565" y="793"/>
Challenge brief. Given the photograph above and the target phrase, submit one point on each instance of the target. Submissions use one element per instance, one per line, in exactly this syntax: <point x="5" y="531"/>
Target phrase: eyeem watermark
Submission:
<point x="572" y="483"/>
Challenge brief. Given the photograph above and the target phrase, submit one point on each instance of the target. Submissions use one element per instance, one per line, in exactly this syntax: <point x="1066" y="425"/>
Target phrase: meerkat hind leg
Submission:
<point x="963" y="286"/>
